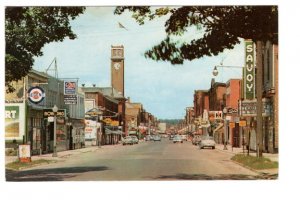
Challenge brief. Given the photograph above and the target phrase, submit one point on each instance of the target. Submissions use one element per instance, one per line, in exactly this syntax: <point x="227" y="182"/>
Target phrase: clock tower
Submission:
<point x="117" y="68"/>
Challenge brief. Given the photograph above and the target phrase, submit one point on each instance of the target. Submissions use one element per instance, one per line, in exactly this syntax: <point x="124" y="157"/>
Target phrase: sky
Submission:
<point x="165" y="90"/>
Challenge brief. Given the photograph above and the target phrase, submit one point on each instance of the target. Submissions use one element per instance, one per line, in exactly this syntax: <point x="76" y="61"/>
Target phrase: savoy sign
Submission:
<point x="249" y="79"/>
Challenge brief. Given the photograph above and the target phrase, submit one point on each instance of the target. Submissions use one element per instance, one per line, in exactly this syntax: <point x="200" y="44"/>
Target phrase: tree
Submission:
<point x="221" y="27"/>
<point x="27" y="30"/>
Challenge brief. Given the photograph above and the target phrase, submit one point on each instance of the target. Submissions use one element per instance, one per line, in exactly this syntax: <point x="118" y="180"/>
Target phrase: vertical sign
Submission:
<point x="70" y="92"/>
<point x="249" y="73"/>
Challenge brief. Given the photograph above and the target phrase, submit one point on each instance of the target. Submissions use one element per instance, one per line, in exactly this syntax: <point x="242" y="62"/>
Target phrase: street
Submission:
<point x="160" y="160"/>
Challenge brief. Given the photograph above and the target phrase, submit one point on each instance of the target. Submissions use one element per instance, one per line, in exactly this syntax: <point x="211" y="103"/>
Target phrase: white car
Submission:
<point x="207" y="141"/>
<point x="135" y="139"/>
<point x="184" y="137"/>
<point x="177" y="138"/>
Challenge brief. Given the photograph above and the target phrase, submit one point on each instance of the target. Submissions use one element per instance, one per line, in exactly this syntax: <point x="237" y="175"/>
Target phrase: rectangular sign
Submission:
<point x="24" y="153"/>
<point x="249" y="71"/>
<point x="50" y="113"/>
<point x="14" y="121"/>
<point x="248" y="108"/>
<point x="243" y="123"/>
<point x="231" y="124"/>
<point x="70" y="87"/>
<point x="70" y="99"/>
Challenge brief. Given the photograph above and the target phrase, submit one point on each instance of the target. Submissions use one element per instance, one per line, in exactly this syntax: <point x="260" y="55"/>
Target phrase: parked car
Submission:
<point x="171" y="137"/>
<point x="151" y="137"/>
<point x="184" y="137"/>
<point x="156" y="138"/>
<point x="207" y="142"/>
<point x="177" y="138"/>
<point x="196" y="140"/>
<point x="147" y="138"/>
<point x="135" y="139"/>
<point x="127" y="140"/>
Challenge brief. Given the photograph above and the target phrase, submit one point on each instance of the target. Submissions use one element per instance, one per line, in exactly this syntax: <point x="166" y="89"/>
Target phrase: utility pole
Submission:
<point x="259" y="109"/>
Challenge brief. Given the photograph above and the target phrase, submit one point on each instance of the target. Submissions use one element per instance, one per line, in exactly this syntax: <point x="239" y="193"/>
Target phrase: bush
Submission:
<point x="11" y="152"/>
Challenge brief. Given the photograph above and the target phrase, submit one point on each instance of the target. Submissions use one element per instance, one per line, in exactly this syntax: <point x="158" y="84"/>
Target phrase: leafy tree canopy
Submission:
<point x="27" y="30"/>
<point x="220" y="28"/>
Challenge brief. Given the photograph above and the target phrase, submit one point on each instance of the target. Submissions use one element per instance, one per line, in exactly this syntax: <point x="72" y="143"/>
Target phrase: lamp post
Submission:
<point x="225" y="128"/>
<point x="54" y="109"/>
<point x="216" y="72"/>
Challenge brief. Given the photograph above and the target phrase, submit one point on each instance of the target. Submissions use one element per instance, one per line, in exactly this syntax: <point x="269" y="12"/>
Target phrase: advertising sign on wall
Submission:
<point x="90" y="130"/>
<point x="36" y="94"/>
<point x="249" y="71"/>
<point x="14" y="121"/>
<point x="70" y="87"/>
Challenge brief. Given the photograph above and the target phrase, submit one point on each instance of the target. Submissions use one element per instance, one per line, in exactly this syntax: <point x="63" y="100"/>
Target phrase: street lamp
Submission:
<point x="54" y="109"/>
<point x="216" y="72"/>
<point x="225" y="128"/>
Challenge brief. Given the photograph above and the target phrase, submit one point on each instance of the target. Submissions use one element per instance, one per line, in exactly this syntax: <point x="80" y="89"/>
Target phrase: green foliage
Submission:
<point x="222" y="28"/>
<point x="27" y="30"/>
<point x="255" y="162"/>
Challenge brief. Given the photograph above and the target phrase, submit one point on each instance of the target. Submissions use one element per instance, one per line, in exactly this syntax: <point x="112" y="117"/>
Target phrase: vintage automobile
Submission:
<point x="156" y="138"/>
<point x="207" y="141"/>
<point x="177" y="138"/>
<point x="135" y="139"/>
<point x="196" y="139"/>
<point x="127" y="140"/>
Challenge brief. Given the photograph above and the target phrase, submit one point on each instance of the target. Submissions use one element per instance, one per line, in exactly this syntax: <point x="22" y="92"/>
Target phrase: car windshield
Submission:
<point x="208" y="138"/>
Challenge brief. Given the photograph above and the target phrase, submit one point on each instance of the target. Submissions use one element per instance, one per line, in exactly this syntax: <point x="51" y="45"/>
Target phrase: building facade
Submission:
<point x="35" y="126"/>
<point x="270" y="93"/>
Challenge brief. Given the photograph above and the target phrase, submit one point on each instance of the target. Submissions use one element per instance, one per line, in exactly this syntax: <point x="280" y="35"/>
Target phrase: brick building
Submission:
<point x="216" y="92"/>
<point x="201" y="102"/>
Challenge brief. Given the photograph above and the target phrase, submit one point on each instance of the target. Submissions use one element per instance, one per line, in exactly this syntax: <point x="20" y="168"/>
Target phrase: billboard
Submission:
<point x="14" y="121"/>
<point x="249" y="71"/>
<point x="70" y="87"/>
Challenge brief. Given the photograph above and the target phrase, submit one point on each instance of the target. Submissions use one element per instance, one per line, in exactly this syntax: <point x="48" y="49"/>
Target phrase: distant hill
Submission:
<point x="170" y="121"/>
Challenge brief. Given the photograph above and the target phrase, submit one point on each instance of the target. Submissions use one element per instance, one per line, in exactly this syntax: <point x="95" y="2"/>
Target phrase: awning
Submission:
<point x="108" y="131"/>
<point x="218" y="127"/>
<point x="132" y="132"/>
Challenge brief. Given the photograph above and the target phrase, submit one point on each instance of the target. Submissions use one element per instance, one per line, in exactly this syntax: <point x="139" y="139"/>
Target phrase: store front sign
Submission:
<point x="248" y="108"/>
<point x="249" y="71"/>
<point x="50" y="113"/>
<point x="36" y="94"/>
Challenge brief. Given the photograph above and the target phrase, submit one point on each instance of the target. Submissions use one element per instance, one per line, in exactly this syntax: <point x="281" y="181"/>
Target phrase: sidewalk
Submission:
<point x="62" y="155"/>
<point x="233" y="151"/>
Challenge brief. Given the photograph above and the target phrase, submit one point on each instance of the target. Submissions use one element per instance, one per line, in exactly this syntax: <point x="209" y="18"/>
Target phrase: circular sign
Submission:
<point x="36" y="94"/>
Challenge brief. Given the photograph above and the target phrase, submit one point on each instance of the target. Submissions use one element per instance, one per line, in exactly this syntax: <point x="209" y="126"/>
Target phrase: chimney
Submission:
<point x="82" y="85"/>
<point x="94" y="85"/>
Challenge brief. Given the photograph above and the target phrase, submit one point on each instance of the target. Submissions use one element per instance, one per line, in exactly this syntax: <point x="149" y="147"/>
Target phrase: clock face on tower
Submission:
<point x="117" y="65"/>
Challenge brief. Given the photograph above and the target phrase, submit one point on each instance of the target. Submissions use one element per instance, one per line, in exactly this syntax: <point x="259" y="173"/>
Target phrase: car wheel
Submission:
<point x="181" y="141"/>
<point x="213" y="147"/>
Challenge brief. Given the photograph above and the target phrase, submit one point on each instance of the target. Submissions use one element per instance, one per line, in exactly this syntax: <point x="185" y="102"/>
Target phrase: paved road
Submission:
<point x="145" y="161"/>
